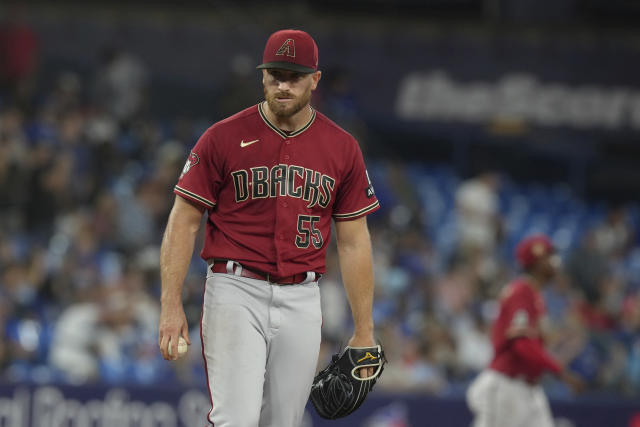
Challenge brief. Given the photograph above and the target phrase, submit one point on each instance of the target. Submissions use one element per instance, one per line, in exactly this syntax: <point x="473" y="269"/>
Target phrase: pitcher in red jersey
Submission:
<point x="507" y="394"/>
<point x="269" y="179"/>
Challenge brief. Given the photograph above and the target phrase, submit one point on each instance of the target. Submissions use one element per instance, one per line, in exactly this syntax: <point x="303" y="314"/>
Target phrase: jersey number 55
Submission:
<point x="308" y="233"/>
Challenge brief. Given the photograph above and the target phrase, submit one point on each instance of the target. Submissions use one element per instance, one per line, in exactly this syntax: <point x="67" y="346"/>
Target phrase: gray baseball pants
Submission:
<point x="500" y="401"/>
<point x="260" y="344"/>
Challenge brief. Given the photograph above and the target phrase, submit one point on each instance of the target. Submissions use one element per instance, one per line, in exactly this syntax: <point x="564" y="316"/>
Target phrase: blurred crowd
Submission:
<point x="437" y="298"/>
<point x="86" y="177"/>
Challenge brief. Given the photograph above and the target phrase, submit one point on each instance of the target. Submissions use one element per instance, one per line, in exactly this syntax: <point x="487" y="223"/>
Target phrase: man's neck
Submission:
<point x="291" y="123"/>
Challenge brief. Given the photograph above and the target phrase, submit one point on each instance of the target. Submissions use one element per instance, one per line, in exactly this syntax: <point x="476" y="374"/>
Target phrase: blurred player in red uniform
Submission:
<point x="507" y="394"/>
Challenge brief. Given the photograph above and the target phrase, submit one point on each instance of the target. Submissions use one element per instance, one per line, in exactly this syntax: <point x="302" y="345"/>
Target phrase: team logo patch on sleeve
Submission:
<point x="191" y="161"/>
<point x="369" y="190"/>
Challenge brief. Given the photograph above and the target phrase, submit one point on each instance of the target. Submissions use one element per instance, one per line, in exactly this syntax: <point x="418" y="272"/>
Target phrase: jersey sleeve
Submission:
<point x="201" y="177"/>
<point x="535" y="355"/>
<point x="355" y="197"/>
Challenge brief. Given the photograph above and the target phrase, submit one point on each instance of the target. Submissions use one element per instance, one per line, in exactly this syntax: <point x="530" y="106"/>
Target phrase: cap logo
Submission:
<point x="288" y="48"/>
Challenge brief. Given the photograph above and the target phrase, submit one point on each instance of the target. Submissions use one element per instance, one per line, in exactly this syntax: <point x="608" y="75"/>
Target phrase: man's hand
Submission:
<point x="175" y="254"/>
<point x="363" y="340"/>
<point x="173" y="324"/>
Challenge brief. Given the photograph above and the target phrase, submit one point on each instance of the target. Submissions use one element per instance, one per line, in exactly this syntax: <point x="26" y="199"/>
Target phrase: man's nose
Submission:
<point x="283" y="85"/>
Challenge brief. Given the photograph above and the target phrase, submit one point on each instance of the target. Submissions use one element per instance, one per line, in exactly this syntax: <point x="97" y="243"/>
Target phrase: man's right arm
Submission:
<point x="175" y="256"/>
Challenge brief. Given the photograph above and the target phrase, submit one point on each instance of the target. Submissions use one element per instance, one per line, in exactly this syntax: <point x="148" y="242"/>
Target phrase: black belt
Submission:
<point x="220" y="266"/>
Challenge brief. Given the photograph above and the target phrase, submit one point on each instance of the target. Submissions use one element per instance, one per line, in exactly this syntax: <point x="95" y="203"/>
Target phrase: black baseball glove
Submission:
<point x="338" y="389"/>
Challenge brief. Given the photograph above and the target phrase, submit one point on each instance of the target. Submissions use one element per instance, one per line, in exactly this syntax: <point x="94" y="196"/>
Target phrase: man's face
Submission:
<point x="288" y="92"/>
<point x="548" y="266"/>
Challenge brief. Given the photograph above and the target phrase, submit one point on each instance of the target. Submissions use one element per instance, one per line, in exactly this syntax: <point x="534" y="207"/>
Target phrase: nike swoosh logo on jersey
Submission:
<point x="244" y="144"/>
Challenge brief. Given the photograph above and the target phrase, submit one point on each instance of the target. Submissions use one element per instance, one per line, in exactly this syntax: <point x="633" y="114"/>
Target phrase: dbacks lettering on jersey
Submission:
<point x="283" y="180"/>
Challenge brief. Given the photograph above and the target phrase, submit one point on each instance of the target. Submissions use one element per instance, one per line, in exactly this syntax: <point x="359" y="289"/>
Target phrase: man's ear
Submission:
<point x="316" y="78"/>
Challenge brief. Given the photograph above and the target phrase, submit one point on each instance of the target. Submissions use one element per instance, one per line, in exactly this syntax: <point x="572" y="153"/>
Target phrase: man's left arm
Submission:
<point x="354" y="253"/>
<point x="337" y="391"/>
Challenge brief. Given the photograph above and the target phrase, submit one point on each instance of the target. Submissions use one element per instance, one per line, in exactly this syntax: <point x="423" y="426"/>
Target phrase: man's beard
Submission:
<point x="286" y="110"/>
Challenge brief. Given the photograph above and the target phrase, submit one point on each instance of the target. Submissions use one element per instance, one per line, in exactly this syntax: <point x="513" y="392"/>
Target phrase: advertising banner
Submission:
<point x="582" y="81"/>
<point x="101" y="406"/>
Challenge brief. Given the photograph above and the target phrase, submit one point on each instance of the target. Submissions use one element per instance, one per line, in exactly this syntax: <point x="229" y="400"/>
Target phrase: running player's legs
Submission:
<point x="234" y="349"/>
<point x="475" y="396"/>
<point x="498" y="401"/>
<point x="479" y="395"/>
<point x="294" y="344"/>
<point x="540" y="411"/>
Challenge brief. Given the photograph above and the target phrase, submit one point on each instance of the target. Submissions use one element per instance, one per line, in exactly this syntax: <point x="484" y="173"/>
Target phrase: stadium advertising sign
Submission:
<point x="51" y="406"/>
<point x="444" y="75"/>
<point x="436" y="96"/>
<point x="102" y="406"/>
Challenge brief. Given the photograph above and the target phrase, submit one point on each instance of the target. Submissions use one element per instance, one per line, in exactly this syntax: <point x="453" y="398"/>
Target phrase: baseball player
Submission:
<point x="507" y="394"/>
<point x="270" y="179"/>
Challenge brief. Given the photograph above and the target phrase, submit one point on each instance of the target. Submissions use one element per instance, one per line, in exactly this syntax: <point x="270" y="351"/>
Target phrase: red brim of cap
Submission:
<point x="287" y="66"/>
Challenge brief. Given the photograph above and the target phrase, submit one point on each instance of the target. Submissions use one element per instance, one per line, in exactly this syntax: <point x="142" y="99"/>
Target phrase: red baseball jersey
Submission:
<point x="270" y="194"/>
<point x="516" y="336"/>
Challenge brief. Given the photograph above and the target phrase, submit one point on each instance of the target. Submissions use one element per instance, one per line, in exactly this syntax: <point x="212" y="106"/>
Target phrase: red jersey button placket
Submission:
<point x="281" y="209"/>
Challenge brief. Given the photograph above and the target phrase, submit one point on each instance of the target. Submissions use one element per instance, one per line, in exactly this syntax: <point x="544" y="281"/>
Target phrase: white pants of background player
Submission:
<point x="497" y="400"/>
<point x="260" y="345"/>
